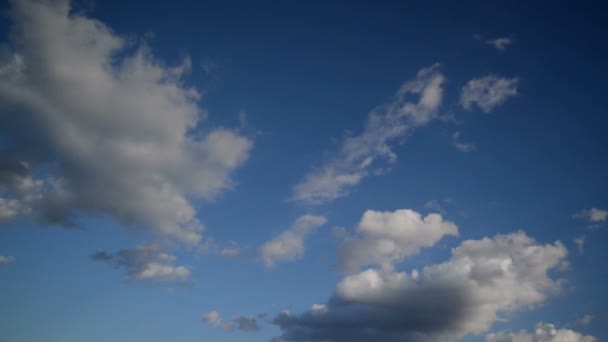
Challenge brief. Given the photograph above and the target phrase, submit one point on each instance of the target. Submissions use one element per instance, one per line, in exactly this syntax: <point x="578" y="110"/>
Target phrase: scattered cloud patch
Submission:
<point x="213" y="318"/>
<point x="593" y="215"/>
<point x="462" y="146"/>
<point x="5" y="260"/>
<point x="385" y="237"/>
<point x="146" y="263"/>
<point x="111" y="126"/>
<point x="289" y="245"/>
<point x="488" y="92"/>
<point x="242" y="323"/>
<point x="415" y="104"/>
<point x="544" y="332"/>
<point x="585" y="320"/>
<point x="483" y="280"/>
<point x="500" y="44"/>
<point x="580" y="244"/>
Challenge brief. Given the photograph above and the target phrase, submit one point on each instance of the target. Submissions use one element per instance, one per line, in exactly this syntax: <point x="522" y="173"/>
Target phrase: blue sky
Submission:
<point x="263" y="171"/>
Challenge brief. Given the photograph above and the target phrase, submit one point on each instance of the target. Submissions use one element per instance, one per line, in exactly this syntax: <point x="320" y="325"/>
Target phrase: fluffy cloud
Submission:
<point x="386" y="237"/>
<point x="464" y="295"/>
<point x="488" y="92"/>
<point x="500" y="44"/>
<point x="593" y="215"/>
<point x="358" y="155"/>
<point x="105" y="127"/>
<point x="544" y="332"/>
<point x="149" y="263"/>
<point x="289" y="245"/>
<point x="242" y="323"/>
<point x="5" y="260"/>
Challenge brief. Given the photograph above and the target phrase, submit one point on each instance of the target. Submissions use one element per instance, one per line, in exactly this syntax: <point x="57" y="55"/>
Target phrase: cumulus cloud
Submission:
<point x="289" y="245"/>
<point x="483" y="280"/>
<point x="462" y="146"/>
<point x="544" y="332"/>
<point x="105" y="127"/>
<point x="500" y="44"/>
<point x="488" y="92"/>
<point x="358" y="156"/>
<point x="242" y="323"/>
<point x="385" y="237"/>
<point x="5" y="260"/>
<point x="593" y="215"/>
<point x="147" y="263"/>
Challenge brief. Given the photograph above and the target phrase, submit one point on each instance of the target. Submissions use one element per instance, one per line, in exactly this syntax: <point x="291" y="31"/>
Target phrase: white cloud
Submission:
<point x="593" y="215"/>
<point x="488" y="92"/>
<point x="289" y="245"/>
<point x="148" y="262"/>
<point x="483" y="280"/>
<point x="5" y="260"/>
<point x="462" y="146"/>
<point x="358" y="155"/>
<point x="544" y="332"/>
<point x="112" y="127"/>
<point x="387" y="237"/>
<point x="500" y="44"/>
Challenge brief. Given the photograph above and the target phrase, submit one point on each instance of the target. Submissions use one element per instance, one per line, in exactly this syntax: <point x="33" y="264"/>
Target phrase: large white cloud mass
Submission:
<point x="443" y="302"/>
<point x="92" y="123"/>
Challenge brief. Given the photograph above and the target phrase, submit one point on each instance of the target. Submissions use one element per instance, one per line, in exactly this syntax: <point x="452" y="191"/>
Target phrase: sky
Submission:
<point x="303" y="171"/>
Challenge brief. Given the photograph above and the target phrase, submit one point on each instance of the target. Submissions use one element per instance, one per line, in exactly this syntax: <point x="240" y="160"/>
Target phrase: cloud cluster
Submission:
<point x="5" y="260"/>
<point x="384" y="238"/>
<point x="488" y="92"/>
<point x="147" y="263"/>
<point x="242" y="323"/>
<point x="289" y="245"/>
<point x="464" y="295"/>
<point x="544" y="332"/>
<point x="95" y="124"/>
<point x="415" y="104"/>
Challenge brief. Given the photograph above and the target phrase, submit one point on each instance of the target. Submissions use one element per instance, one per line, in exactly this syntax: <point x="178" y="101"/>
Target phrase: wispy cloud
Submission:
<point x="289" y="245"/>
<point x="593" y="215"/>
<point x="5" y="260"/>
<point x="146" y="263"/>
<point x="242" y="323"/>
<point x="500" y="44"/>
<point x="462" y="146"/>
<point x="543" y="332"/>
<point x="358" y="156"/>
